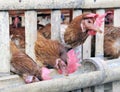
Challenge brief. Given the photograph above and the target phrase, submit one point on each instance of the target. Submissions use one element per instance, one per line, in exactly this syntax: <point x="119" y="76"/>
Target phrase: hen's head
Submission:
<point x="30" y="78"/>
<point x="61" y="66"/>
<point x="91" y="22"/>
<point x="61" y="62"/>
<point x="73" y="64"/>
<point x="109" y="17"/>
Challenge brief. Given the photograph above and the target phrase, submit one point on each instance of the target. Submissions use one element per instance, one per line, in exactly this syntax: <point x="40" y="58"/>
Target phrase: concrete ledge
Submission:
<point x="65" y="84"/>
<point x="10" y="81"/>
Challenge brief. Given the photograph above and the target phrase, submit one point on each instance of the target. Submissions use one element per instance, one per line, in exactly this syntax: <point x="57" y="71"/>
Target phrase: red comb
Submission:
<point x="92" y="15"/>
<point x="72" y="62"/>
<point x="99" y="20"/>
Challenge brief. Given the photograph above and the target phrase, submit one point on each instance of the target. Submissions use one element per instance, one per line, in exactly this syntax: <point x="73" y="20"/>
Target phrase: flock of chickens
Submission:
<point x="59" y="56"/>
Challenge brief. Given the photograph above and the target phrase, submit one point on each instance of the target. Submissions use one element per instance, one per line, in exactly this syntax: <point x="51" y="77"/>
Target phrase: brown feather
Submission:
<point x="112" y="42"/>
<point x="73" y="35"/>
<point x="18" y="34"/>
<point x="22" y="63"/>
<point x="47" y="51"/>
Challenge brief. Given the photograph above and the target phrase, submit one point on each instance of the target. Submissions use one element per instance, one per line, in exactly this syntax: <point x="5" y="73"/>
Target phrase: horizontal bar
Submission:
<point x="57" y="4"/>
<point x="90" y="4"/>
<point x="39" y="4"/>
<point x="70" y="83"/>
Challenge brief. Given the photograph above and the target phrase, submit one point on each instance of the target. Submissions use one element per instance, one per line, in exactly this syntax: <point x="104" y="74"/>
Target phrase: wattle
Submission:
<point x="91" y="32"/>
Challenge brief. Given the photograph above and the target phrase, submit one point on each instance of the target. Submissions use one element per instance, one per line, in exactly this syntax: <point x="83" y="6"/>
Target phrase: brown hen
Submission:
<point x="76" y="32"/>
<point x="112" y="42"/>
<point x="18" y="36"/>
<point x="22" y="64"/>
<point x="51" y="53"/>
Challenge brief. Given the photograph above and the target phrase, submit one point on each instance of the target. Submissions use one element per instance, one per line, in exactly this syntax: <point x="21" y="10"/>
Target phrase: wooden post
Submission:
<point x="87" y="44"/>
<point x="30" y="32"/>
<point x="10" y="20"/>
<point x="116" y="84"/>
<point x="23" y="21"/>
<point x="87" y="48"/>
<point x="78" y="49"/>
<point x="86" y="52"/>
<point x="55" y="24"/>
<point x="117" y="17"/>
<point x="4" y="44"/>
<point x="77" y="12"/>
<point x="99" y="50"/>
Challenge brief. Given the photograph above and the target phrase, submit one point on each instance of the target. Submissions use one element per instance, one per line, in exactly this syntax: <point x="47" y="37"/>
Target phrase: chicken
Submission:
<point x="18" y="36"/>
<point x="16" y="22"/>
<point x="51" y="53"/>
<point x="23" y="65"/>
<point x="77" y="31"/>
<point x="111" y="38"/>
<point x="112" y="42"/>
<point x="45" y="31"/>
<point x="109" y="17"/>
<point x="80" y="28"/>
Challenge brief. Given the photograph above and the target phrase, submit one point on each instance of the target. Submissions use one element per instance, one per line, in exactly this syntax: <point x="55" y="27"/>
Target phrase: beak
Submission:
<point x="65" y="71"/>
<point x="97" y="29"/>
<point x="60" y="65"/>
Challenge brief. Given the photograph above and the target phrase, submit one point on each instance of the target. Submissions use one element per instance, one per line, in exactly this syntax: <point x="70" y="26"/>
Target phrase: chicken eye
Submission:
<point x="89" y="21"/>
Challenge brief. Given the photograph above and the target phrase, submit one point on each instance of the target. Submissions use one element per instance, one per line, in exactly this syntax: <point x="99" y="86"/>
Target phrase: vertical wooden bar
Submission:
<point x="10" y="20"/>
<point x="99" y="49"/>
<point x="55" y="24"/>
<point x="87" y="44"/>
<point x="116" y="86"/>
<point x="30" y="32"/>
<point x="77" y="13"/>
<point x="99" y="88"/>
<point x="4" y="44"/>
<point x="23" y="21"/>
<point x="87" y="48"/>
<point x="78" y="49"/>
<point x="116" y="17"/>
